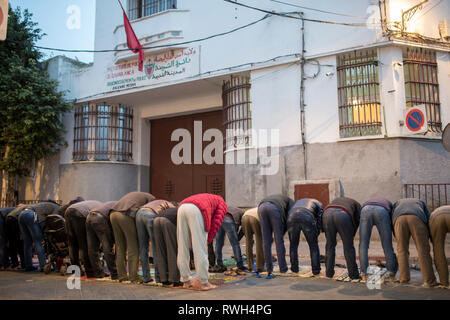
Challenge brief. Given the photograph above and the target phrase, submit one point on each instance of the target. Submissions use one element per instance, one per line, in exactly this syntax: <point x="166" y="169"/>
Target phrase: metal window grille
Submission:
<point x="358" y="93"/>
<point x="422" y="86"/>
<point x="237" y="111"/>
<point x="155" y="6"/>
<point x="434" y="195"/>
<point x="103" y="132"/>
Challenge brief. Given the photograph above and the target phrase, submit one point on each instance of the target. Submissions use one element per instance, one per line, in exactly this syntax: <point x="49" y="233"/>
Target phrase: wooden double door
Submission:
<point x="176" y="182"/>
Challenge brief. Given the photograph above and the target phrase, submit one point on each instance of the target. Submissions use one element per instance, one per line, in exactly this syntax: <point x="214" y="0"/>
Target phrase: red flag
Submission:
<point x="132" y="41"/>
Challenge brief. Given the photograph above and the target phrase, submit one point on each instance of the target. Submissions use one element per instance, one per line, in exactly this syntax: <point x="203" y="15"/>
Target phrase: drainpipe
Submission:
<point x="302" y="98"/>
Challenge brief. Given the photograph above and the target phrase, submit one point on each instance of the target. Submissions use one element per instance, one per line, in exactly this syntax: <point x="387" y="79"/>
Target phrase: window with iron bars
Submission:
<point x="422" y="86"/>
<point x="142" y="8"/>
<point x="103" y="132"/>
<point x="359" y="94"/>
<point x="237" y="113"/>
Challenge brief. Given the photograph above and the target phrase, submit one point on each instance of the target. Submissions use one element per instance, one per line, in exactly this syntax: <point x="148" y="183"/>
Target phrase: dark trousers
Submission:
<point x="338" y="221"/>
<point x="270" y="219"/>
<point x="211" y="254"/>
<point x="3" y="253"/>
<point x="301" y="220"/>
<point x="99" y="231"/>
<point x="166" y="248"/>
<point x="13" y="237"/>
<point x="76" y="233"/>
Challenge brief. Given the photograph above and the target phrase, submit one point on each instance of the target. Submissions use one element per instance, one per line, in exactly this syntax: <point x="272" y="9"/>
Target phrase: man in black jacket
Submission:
<point x="272" y="212"/>
<point x="341" y="216"/>
<point x="306" y="216"/>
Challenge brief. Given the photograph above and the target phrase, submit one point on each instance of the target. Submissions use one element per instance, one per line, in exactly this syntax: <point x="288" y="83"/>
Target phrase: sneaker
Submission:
<point x="270" y="276"/>
<point x="363" y="277"/>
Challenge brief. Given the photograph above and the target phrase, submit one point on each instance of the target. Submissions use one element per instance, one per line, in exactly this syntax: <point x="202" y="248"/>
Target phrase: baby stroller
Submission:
<point x="56" y="244"/>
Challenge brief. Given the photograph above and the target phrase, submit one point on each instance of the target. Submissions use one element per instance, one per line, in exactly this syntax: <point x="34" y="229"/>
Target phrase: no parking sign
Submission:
<point x="416" y="120"/>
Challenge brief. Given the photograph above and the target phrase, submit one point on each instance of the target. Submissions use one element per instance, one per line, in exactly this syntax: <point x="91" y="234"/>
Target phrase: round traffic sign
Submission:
<point x="415" y="120"/>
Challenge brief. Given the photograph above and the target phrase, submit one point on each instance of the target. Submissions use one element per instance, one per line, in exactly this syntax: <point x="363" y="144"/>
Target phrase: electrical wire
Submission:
<point x="350" y="24"/>
<point x="153" y="47"/>
<point x="318" y="10"/>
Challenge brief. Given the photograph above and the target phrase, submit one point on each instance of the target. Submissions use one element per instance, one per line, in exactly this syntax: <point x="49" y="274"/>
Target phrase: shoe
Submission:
<point x="32" y="269"/>
<point x="177" y="284"/>
<point x="363" y="277"/>
<point x="270" y="276"/>
<point x="430" y="285"/>
<point x="221" y="268"/>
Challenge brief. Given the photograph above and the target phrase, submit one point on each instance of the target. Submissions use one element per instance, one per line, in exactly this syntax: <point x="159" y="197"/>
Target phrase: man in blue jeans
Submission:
<point x="341" y="216"/>
<point x="306" y="216"/>
<point x="144" y="227"/>
<point x="32" y="223"/>
<point x="272" y="213"/>
<point x="377" y="211"/>
<point x="230" y="226"/>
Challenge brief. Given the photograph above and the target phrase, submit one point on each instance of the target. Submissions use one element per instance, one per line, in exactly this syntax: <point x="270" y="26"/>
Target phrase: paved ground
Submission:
<point x="21" y="285"/>
<point x="18" y="285"/>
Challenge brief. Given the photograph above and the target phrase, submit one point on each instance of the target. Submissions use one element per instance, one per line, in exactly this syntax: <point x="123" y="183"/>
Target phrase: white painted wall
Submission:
<point x="275" y="95"/>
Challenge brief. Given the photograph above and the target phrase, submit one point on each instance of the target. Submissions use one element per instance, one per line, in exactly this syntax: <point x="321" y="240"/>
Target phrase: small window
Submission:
<point x="142" y="8"/>
<point x="358" y="94"/>
<point x="422" y="86"/>
<point x="103" y="132"/>
<point x="237" y="111"/>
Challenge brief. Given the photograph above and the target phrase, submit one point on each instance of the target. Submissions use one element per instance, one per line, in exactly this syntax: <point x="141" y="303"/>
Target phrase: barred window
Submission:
<point x="421" y="84"/>
<point x="142" y="8"/>
<point x="103" y="132"/>
<point x="358" y="94"/>
<point x="237" y="111"/>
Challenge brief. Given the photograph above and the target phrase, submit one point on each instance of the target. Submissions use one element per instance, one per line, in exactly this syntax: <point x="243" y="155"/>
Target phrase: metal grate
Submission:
<point x="358" y="94"/>
<point x="134" y="9"/>
<point x="142" y="8"/>
<point x="434" y="195"/>
<point x="103" y="132"/>
<point x="237" y="111"/>
<point x="155" y="6"/>
<point x="422" y="86"/>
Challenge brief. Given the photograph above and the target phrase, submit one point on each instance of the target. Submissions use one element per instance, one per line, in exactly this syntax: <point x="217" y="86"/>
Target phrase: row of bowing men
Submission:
<point x="181" y="236"/>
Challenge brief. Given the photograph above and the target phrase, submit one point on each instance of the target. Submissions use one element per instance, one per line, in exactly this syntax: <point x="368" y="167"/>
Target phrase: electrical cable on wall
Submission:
<point x="350" y="24"/>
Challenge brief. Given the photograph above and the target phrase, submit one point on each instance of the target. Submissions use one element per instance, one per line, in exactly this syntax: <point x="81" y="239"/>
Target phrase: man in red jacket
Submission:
<point x="199" y="218"/>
